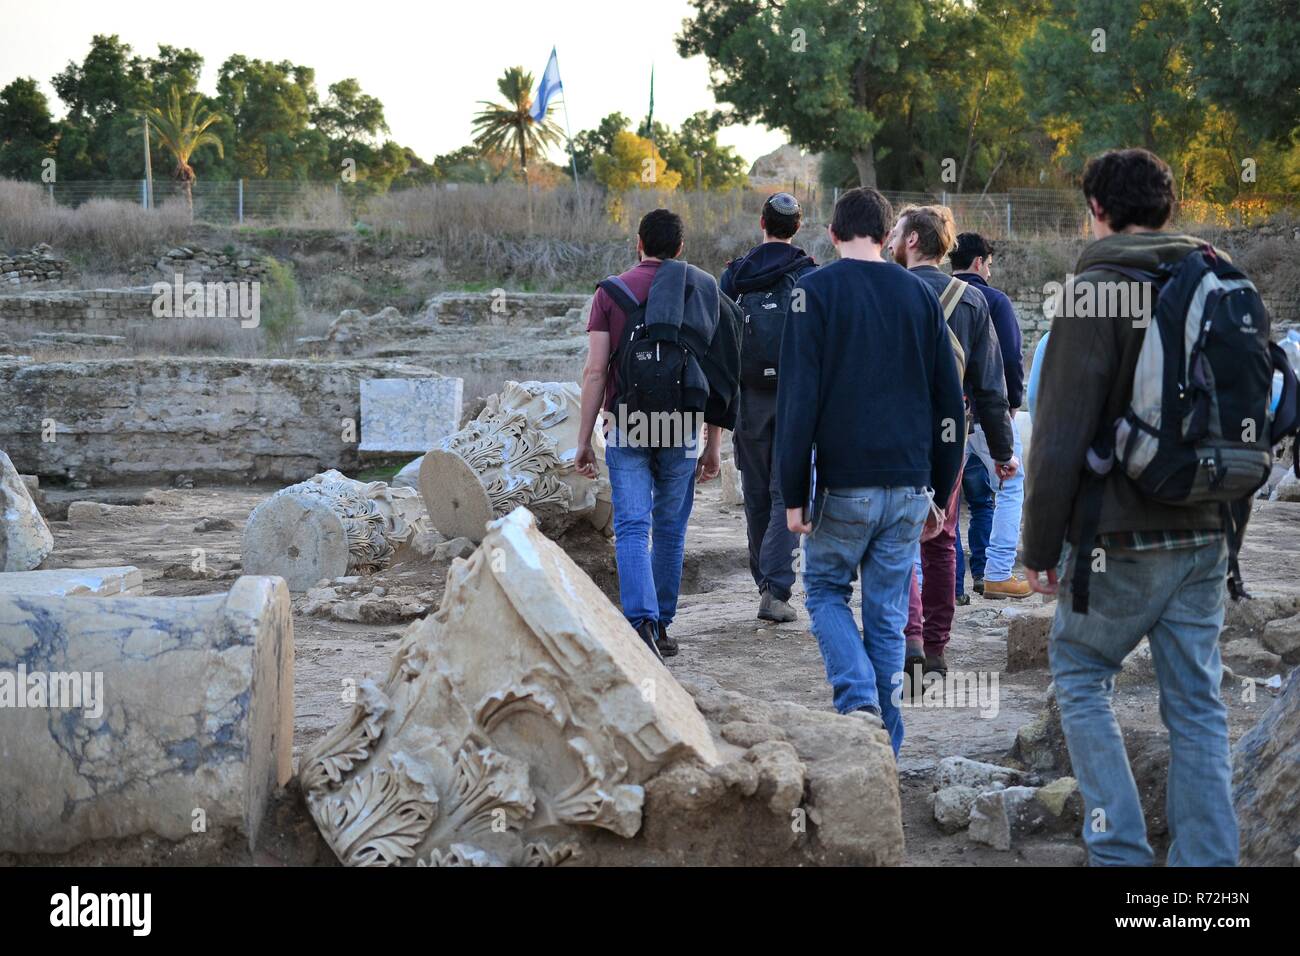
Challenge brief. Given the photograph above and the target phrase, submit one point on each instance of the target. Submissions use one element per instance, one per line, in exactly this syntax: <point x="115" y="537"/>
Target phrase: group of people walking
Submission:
<point x="867" y="397"/>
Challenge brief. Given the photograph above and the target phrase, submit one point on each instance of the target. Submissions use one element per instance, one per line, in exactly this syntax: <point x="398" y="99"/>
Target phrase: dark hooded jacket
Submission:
<point x="762" y="266"/>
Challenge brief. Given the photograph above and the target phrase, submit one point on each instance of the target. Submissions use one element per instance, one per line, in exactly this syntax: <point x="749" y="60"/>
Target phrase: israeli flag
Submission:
<point x="549" y="86"/>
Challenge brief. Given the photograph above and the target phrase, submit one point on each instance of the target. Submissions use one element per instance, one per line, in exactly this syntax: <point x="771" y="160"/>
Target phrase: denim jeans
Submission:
<point x="977" y="491"/>
<point x="872" y="532"/>
<point x="1004" y="536"/>
<point x="1175" y="598"/>
<point x="653" y="490"/>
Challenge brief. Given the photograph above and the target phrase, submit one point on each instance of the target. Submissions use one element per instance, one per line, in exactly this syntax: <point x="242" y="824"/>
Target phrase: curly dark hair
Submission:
<point x="1133" y="187"/>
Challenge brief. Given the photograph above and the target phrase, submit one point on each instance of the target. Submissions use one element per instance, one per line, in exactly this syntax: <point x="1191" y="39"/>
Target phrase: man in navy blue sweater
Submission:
<point x="870" y="427"/>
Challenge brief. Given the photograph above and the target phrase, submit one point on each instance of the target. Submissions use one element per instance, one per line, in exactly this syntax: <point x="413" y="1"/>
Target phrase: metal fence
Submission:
<point x="1017" y="213"/>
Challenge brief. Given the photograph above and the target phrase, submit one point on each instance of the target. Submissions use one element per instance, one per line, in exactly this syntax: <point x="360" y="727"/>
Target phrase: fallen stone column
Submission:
<point x="1266" y="782"/>
<point x="519" y="451"/>
<point x="25" y="539"/>
<point x="525" y="724"/>
<point x="143" y="716"/>
<point x="329" y="526"/>
<point x="73" y="582"/>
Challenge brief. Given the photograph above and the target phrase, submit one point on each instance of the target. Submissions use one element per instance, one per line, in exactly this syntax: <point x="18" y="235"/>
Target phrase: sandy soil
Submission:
<point x="716" y="627"/>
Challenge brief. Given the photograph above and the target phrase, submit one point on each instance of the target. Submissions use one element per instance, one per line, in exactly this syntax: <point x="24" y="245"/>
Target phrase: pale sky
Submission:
<point x="428" y="63"/>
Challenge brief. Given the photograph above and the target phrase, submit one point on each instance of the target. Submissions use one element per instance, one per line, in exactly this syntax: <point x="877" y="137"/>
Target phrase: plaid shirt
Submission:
<point x="1157" y="540"/>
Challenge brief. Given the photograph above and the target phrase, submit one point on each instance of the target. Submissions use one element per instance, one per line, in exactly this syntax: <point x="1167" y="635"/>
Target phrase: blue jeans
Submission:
<point x="653" y="490"/>
<point x="977" y="491"/>
<point x="1004" y="535"/>
<point x="1175" y="597"/>
<point x="873" y="532"/>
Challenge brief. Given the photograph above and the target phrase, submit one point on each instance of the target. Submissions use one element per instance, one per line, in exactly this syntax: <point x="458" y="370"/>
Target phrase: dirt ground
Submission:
<point x="719" y="636"/>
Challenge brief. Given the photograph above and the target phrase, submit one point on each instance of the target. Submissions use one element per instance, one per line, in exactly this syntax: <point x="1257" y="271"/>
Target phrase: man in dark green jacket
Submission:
<point x="1160" y="571"/>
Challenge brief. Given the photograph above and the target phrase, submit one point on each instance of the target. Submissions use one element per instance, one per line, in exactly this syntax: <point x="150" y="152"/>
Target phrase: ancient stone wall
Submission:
<point x="120" y="420"/>
<point x="94" y="310"/>
<point x="30" y="268"/>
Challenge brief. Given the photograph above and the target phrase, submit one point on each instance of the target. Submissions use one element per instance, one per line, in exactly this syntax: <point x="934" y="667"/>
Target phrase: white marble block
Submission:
<point x="171" y="712"/>
<point x="408" y="414"/>
<point x="25" y="539"/>
<point x="74" y="582"/>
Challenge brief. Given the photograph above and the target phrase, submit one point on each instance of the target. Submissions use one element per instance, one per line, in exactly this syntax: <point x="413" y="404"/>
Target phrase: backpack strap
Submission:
<point x="1235" y="514"/>
<point x="618" y="290"/>
<point x="951" y="296"/>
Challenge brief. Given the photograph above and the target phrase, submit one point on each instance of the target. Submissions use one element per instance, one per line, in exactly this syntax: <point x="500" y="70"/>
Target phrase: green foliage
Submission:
<point x="280" y="302"/>
<point x="26" y="129"/>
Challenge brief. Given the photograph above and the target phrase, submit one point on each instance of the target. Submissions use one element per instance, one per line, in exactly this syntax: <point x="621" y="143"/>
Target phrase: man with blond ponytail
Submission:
<point x="921" y="238"/>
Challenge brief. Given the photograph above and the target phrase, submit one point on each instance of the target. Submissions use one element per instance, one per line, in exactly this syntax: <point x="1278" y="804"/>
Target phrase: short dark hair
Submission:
<point x="661" y="233"/>
<point x="862" y="212"/>
<point x="970" y="246"/>
<point x="781" y="224"/>
<point x="1133" y="187"/>
<point x="936" y="232"/>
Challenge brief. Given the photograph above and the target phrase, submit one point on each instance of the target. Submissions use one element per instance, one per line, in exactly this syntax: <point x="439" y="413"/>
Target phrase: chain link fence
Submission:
<point x="1019" y="213"/>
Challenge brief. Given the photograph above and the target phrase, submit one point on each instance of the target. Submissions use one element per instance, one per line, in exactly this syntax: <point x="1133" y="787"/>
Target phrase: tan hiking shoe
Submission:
<point x="1012" y="587"/>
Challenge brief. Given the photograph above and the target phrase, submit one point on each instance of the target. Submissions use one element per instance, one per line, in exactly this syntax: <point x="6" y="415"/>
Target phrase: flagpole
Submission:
<point x="564" y="100"/>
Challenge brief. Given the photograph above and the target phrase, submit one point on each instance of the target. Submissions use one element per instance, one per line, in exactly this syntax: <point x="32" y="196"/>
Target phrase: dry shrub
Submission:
<point x="105" y="231"/>
<point x="217" y="337"/>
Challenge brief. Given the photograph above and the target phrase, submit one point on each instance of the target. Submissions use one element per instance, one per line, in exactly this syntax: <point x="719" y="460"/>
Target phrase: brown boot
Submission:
<point x="1012" y="587"/>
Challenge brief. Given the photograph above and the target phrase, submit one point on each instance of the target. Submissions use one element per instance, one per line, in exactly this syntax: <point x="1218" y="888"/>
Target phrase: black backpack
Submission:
<point x="1198" y="428"/>
<point x="653" y="375"/>
<point x="764" y="312"/>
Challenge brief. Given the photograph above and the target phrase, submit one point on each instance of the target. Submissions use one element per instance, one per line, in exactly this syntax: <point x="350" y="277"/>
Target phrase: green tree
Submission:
<point x="269" y="107"/>
<point x="1101" y="74"/>
<point x="590" y="143"/>
<point x="183" y="128"/>
<point x="1244" y="60"/>
<point x="509" y="127"/>
<point x="26" y="129"/>
<point x="826" y="71"/>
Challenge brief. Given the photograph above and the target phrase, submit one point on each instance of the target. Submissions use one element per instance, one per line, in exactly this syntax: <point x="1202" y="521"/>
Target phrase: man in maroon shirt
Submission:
<point x="653" y="488"/>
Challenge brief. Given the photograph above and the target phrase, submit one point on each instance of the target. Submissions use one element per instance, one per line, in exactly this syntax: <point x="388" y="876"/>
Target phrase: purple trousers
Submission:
<point x="930" y="606"/>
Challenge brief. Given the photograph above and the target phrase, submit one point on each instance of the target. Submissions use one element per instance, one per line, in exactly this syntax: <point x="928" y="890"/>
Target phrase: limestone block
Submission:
<point x="187" y="710"/>
<point x="952" y="807"/>
<point x="733" y="494"/>
<point x="329" y="526"/>
<point x="25" y="539"/>
<point x="1028" y="629"/>
<point x="964" y="772"/>
<point x="1288" y="489"/>
<point x="1266" y="782"/>
<point x="1001" y="818"/>
<point x="408" y="414"/>
<point x="73" y="582"/>
<point x="1282" y="637"/>
<point x="523" y="712"/>
<point x="520" y="450"/>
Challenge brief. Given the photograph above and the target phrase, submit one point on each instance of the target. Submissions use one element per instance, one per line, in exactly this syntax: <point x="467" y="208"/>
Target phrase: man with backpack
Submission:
<point x="762" y="282"/>
<point x="1152" y="433"/>
<point x="663" y="360"/>
<point x="868" y="410"/>
<point x="920" y="240"/>
<point x="992" y="565"/>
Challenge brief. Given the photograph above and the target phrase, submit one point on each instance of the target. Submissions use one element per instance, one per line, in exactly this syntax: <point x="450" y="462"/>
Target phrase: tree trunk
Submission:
<point x="865" y="160"/>
<point x="189" y="197"/>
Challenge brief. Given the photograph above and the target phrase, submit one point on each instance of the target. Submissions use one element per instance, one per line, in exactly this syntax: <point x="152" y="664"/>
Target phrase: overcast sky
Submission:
<point x="428" y="62"/>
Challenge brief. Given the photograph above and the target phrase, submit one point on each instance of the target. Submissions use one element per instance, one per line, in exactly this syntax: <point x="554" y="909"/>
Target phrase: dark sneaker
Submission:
<point x="935" y="664"/>
<point x="648" y="631"/>
<point x="963" y="600"/>
<point x="978" y="586"/>
<point x="913" y="668"/>
<point x="667" y="646"/>
<point x="774" y="609"/>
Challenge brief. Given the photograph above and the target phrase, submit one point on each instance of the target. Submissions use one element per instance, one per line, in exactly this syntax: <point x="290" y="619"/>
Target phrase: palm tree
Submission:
<point x="183" y="129"/>
<point x="508" y="127"/>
